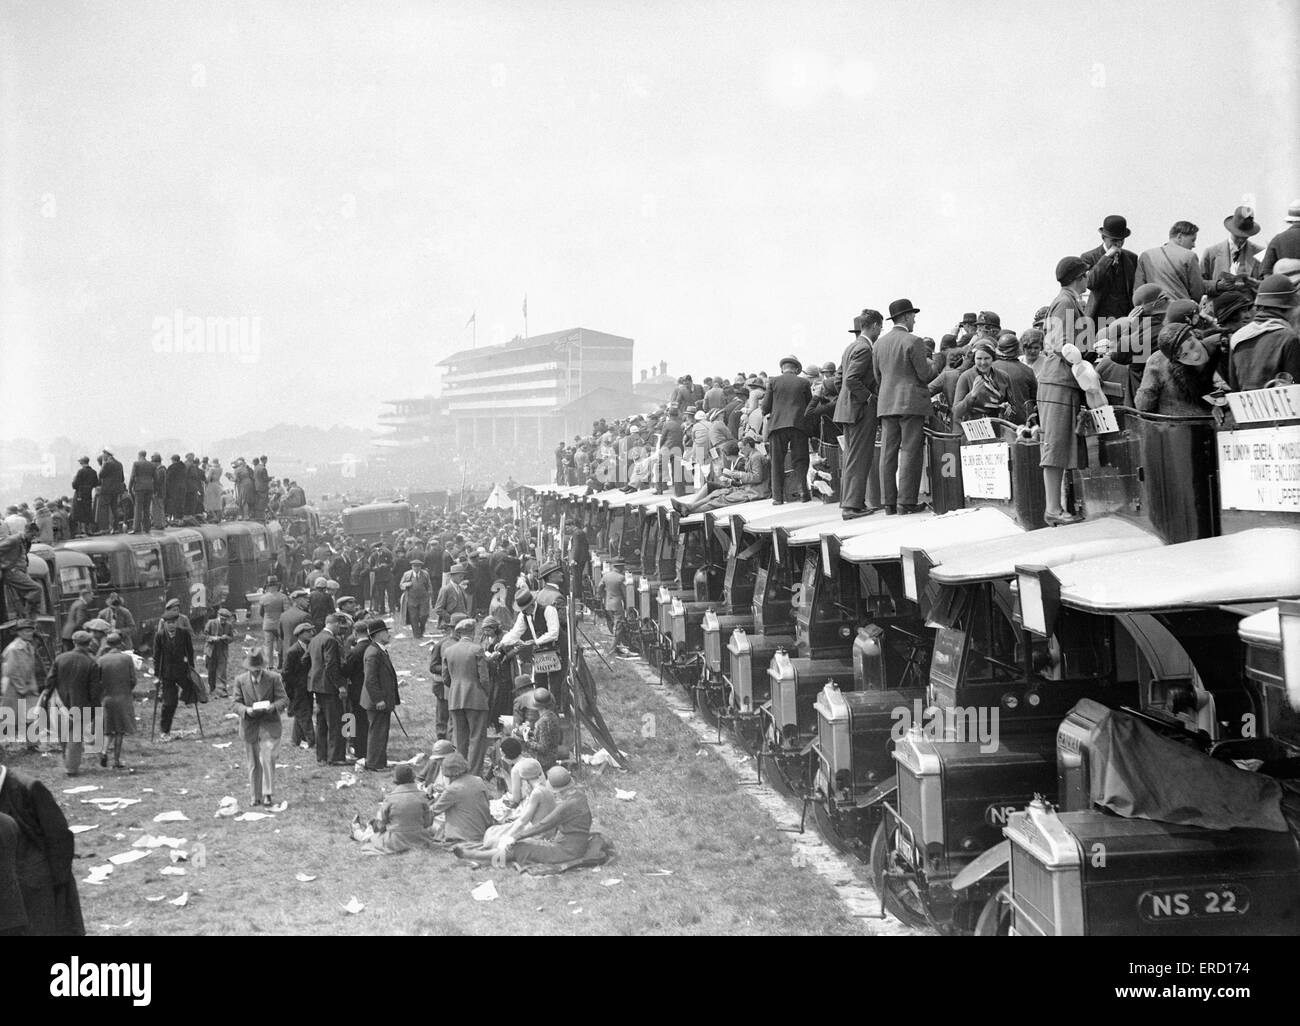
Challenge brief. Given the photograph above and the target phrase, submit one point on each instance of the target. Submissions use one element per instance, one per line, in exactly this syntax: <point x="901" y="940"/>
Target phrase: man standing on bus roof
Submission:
<point x="141" y="489"/>
<point x="13" y="571"/>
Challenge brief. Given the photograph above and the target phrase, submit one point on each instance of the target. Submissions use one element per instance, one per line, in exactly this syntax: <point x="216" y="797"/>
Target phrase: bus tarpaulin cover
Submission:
<point x="1138" y="774"/>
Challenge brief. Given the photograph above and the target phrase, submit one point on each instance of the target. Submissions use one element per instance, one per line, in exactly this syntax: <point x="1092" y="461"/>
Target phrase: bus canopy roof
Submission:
<point x="970" y="525"/>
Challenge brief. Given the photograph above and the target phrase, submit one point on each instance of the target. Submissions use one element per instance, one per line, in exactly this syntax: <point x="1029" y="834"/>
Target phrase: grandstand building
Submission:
<point x="517" y="394"/>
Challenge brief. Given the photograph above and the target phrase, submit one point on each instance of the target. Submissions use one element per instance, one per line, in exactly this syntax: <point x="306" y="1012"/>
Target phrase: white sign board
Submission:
<point x="1259" y="469"/>
<point x="1103" y="420"/>
<point x="986" y="470"/>
<point x="1265" y="404"/>
<point x="978" y="430"/>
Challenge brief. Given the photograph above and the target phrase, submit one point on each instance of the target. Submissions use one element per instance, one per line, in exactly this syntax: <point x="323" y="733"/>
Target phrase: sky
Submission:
<point x="341" y="186"/>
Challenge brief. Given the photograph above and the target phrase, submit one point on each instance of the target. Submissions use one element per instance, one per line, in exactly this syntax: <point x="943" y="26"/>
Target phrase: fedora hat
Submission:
<point x="1116" y="226"/>
<point x="791" y="361"/>
<point x="524" y="599"/>
<point x="540" y="699"/>
<point x="255" y="660"/>
<point x="1242" y="222"/>
<point x="857" y="325"/>
<point x="901" y="308"/>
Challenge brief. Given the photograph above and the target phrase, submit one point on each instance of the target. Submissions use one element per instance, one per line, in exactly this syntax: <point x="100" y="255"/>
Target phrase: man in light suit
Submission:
<point x="855" y="411"/>
<point x="786" y="403"/>
<point x="326" y="682"/>
<point x="468" y="682"/>
<point x="1234" y="258"/>
<point x="379" y="696"/>
<point x="904" y="372"/>
<point x="1173" y="266"/>
<point x="259" y="725"/>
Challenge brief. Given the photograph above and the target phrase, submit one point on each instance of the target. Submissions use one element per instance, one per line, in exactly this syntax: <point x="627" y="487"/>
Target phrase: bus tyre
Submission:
<point x="895" y="896"/>
<point x="995" y="918"/>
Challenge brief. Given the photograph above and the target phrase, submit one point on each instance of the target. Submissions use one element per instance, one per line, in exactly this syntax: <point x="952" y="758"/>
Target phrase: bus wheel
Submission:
<point x="995" y="919"/>
<point x="896" y="895"/>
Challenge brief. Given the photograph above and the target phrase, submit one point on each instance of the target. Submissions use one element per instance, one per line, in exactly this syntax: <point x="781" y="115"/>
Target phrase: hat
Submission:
<point x="701" y="415"/>
<point x="540" y="699"/>
<point x="490" y="623"/>
<point x="524" y="599"/>
<point x="375" y="626"/>
<point x="1242" y="222"/>
<point x="97" y="624"/>
<point x="1180" y="311"/>
<point x="1229" y="303"/>
<point x="465" y="626"/>
<point x="442" y="748"/>
<point x="559" y="778"/>
<point x="791" y="361"/>
<point x="1289" y="266"/>
<point x="828" y="367"/>
<point x="857" y="325"/>
<point x="529" y="769"/>
<point x="989" y="319"/>
<point x="1293" y="212"/>
<point x="225" y="613"/>
<point x="458" y="617"/>
<point x="454" y="765"/>
<point x="299" y="593"/>
<point x="459" y="568"/>
<point x="1148" y="296"/>
<point x="1115" y="226"/>
<point x="81" y="638"/>
<point x="1008" y="346"/>
<point x="417" y="562"/>
<point x="344" y="598"/>
<point x="549" y="568"/>
<point x="321" y="582"/>
<point x="1069" y="268"/>
<point x="255" y="660"/>
<point x="523" y="682"/>
<point x="22" y="625"/>
<point x="173" y="604"/>
<point x="303" y="628"/>
<point x="112" y="638"/>
<point x="332" y="584"/>
<point x="1277" y="293"/>
<point x="403" y="773"/>
<point x="171" y="616"/>
<point x="901" y="308"/>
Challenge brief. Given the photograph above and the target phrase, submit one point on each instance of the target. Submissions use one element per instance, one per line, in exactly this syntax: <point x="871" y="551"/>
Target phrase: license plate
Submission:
<point x="546" y="662"/>
<point x="904" y="847"/>
<point x="1193" y="903"/>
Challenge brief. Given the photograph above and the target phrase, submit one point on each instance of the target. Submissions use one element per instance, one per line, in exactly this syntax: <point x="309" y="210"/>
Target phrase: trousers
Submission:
<point x="300" y="709"/>
<point x="329" y="727"/>
<point x="859" y="470"/>
<point x="142" y="519"/>
<point x="795" y="442"/>
<point x="469" y="735"/>
<point x="901" y="443"/>
<point x="377" y="738"/>
<point x="171" y="695"/>
<point x="217" y="659"/>
<point x="360" y="732"/>
<point x="261" y="767"/>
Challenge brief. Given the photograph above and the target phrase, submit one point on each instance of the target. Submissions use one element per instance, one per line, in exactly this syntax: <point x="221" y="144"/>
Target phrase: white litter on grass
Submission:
<point x="345" y="779"/>
<point x="227" y="807"/>
<point x="231" y="716"/>
<point x="403" y="673"/>
<point x="486" y="891"/>
<point x="172" y="871"/>
<point x="116" y="926"/>
<point x="149" y="841"/>
<point x="659" y="872"/>
<point x="175" y="816"/>
<point x="603" y="758"/>
<point x="155" y="897"/>
<point x="182" y="901"/>
<point x="253" y="817"/>
<point x="111" y="804"/>
<point x="83" y="829"/>
<point x="83" y="789"/>
<point x="119" y="837"/>
<point x="624" y="796"/>
<point x="146" y="790"/>
<point x="280" y="807"/>
<point x="611" y="882"/>
<point x="353" y="906"/>
<point x="177" y="856"/>
<point x="577" y="911"/>
<point x="304" y="878"/>
<point x="226" y="744"/>
<point x="98" y="874"/>
<point x="126" y="857"/>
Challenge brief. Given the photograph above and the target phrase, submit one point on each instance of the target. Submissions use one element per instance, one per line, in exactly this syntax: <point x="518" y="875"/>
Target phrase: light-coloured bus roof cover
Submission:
<point x="794" y="515"/>
<point x="1263" y="628"/>
<point x="725" y="513"/>
<point x="978" y="524"/>
<point x="846" y="529"/>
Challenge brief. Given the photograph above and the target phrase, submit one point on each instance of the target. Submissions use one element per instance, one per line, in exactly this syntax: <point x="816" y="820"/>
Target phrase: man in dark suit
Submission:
<point x="1111" y="271"/>
<point x="329" y="690"/>
<point x="904" y="373"/>
<point x="295" y="669"/>
<point x="354" y="669"/>
<point x="74" y="677"/>
<point x="141" y="488"/>
<point x="177" y="483"/>
<point x="379" y="696"/>
<point x="468" y="681"/>
<point x="855" y="410"/>
<point x="786" y="403"/>
<point x="1282" y="246"/>
<point x="1226" y="263"/>
<point x="173" y="658"/>
<point x="319" y="603"/>
<point x="112" y="482"/>
<point x="259" y="724"/>
<point x="670" y="449"/>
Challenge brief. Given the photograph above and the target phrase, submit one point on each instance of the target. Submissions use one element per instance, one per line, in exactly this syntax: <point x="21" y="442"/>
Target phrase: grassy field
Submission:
<point x="694" y="853"/>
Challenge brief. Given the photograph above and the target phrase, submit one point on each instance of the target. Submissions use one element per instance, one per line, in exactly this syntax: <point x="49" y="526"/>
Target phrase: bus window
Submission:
<point x="218" y="546"/>
<point x="149" y="565"/>
<point x="259" y="542"/>
<point x="194" y="554"/>
<point x="73" y="578"/>
<point x="103" y="570"/>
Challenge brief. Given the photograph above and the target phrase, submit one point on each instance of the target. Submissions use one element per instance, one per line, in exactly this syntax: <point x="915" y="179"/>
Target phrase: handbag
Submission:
<point x="198" y="686"/>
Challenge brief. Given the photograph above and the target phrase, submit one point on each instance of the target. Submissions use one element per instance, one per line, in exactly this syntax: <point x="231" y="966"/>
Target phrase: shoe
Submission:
<point x="1057" y="519"/>
<point x="164" y="736"/>
<point x="340" y="762"/>
<point x="805" y="498"/>
<point x="890" y="511"/>
<point x="119" y="765"/>
<point x="778" y="502"/>
<point x="103" y="760"/>
<point x="856" y="514"/>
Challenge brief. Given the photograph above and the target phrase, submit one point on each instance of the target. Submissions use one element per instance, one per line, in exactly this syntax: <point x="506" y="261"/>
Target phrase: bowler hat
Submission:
<point x="559" y="778"/>
<point x="989" y="319"/>
<point x="1115" y="226"/>
<point x="1069" y="268"/>
<point x="791" y="361"/>
<point x="901" y="308"/>
<point x="375" y="627"/>
<point x="1242" y="222"/>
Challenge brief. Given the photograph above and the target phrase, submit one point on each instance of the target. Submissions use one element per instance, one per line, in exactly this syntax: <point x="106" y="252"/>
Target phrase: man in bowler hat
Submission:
<point x="904" y="372"/>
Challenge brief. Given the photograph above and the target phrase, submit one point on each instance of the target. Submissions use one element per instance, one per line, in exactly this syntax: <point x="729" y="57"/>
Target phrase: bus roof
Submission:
<point x="969" y="524"/>
<point x="791" y="516"/>
<point x="1250" y="566"/>
<point x="995" y="559"/>
<point x="370" y="507"/>
<point x="846" y="529"/>
<point x="101" y="543"/>
<point x="620" y="499"/>
<point x="1263" y="628"/>
<point x="754" y="507"/>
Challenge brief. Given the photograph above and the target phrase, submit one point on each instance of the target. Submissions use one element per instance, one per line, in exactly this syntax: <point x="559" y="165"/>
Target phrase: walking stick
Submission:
<point x="399" y="723"/>
<point x="157" y="687"/>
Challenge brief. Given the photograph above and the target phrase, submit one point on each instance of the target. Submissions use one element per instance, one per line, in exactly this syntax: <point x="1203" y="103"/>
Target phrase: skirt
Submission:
<point x="1058" y="414"/>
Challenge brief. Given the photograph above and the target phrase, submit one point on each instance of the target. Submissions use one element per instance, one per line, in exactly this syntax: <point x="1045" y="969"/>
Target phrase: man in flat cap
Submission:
<point x="295" y="670"/>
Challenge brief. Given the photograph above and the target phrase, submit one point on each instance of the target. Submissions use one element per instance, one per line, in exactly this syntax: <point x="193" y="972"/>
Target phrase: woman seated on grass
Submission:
<point x="403" y="820"/>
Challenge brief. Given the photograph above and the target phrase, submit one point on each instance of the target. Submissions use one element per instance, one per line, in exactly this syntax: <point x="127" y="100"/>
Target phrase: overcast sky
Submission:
<point x="724" y="183"/>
